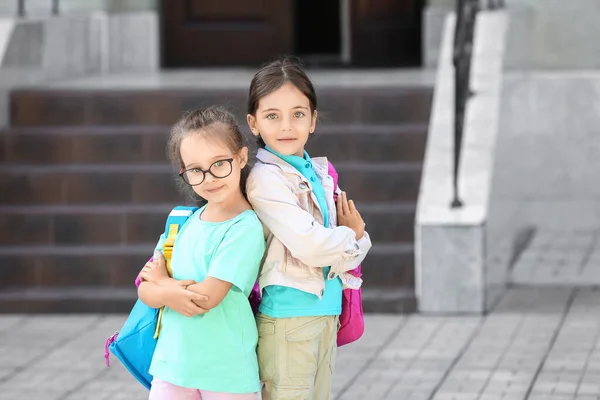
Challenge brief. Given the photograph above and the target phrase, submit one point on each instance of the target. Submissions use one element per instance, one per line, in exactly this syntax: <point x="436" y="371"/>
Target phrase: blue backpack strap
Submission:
<point x="177" y="217"/>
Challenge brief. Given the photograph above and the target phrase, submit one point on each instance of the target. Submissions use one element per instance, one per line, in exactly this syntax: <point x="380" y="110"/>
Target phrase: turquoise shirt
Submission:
<point x="285" y="302"/>
<point x="215" y="351"/>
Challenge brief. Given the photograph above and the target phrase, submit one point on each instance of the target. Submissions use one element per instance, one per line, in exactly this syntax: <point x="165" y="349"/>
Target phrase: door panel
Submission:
<point x="225" y="32"/>
<point x="386" y="32"/>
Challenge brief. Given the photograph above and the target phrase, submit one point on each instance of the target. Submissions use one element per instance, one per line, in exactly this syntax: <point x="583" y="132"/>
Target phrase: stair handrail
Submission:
<point x="496" y="4"/>
<point x="21" y="9"/>
<point x="466" y="12"/>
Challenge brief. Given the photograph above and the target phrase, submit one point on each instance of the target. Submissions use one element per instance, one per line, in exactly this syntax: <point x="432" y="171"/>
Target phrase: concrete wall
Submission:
<point x="553" y="34"/>
<point x="39" y="8"/>
<point x="549" y="150"/>
<point x="36" y="49"/>
<point x="434" y="16"/>
<point x="548" y="154"/>
<point x="452" y="270"/>
<point x="74" y="45"/>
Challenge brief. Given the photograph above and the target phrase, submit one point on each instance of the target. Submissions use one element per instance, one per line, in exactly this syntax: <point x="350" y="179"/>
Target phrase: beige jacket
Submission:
<point x="298" y="245"/>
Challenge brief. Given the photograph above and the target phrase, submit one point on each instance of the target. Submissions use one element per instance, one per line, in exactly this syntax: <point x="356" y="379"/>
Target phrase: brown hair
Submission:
<point x="275" y="74"/>
<point x="216" y="122"/>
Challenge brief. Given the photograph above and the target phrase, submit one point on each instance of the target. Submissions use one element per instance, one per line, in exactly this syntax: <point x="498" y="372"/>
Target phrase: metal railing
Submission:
<point x="495" y="4"/>
<point x="466" y="11"/>
<point x="21" y="11"/>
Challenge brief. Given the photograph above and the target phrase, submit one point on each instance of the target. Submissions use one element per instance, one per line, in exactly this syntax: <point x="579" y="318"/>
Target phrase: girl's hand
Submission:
<point x="170" y="281"/>
<point x="178" y="298"/>
<point x="156" y="270"/>
<point x="349" y="216"/>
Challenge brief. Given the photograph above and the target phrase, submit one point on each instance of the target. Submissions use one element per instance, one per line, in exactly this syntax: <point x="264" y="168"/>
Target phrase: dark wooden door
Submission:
<point x="386" y="33"/>
<point x="225" y="32"/>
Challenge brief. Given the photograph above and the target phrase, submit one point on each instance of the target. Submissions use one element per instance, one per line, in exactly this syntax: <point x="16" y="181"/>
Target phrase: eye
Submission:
<point x="195" y="170"/>
<point x="271" y="116"/>
<point x="299" y="114"/>
<point x="219" y="163"/>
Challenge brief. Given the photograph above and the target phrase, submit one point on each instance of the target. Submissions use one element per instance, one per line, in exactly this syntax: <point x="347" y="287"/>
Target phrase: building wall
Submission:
<point x="553" y="34"/>
<point x="35" y="8"/>
<point x="548" y="154"/>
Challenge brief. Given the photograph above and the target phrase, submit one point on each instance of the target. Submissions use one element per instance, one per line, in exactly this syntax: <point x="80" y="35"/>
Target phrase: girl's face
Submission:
<point x="284" y="120"/>
<point x="211" y="167"/>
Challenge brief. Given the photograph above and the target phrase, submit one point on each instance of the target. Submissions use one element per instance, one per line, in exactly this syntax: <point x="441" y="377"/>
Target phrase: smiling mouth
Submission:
<point x="215" y="189"/>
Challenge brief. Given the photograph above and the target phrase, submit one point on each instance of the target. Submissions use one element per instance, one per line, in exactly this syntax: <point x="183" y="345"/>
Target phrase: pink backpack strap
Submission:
<point x="333" y="173"/>
<point x="352" y="324"/>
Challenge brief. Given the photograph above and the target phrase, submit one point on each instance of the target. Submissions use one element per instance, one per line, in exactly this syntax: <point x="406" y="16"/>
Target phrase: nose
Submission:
<point x="286" y="125"/>
<point x="208" y="177"/>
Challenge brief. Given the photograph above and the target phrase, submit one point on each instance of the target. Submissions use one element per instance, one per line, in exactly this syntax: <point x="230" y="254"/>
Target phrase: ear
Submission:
<point x="252" y="124"/>
<point x="243" y="153"/>
<point x="313" y="122"/>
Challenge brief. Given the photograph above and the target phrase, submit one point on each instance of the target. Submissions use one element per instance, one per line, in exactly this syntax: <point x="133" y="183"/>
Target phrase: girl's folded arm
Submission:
<point x="151" y="294"/>
<point x="309" y="241"/>
<point x="214" y="288"/>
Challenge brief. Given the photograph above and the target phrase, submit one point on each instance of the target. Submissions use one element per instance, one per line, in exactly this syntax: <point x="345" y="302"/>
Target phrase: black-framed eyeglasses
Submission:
<point x="219" y="169"/>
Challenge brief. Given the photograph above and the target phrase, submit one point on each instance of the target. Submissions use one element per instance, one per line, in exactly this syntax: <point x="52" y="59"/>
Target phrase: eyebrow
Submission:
<point x="293" y="108"/>
<point x="212" y="161"/>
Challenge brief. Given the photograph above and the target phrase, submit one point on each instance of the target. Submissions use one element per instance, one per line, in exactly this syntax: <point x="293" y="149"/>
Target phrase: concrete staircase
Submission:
<point x="85" y="187"/>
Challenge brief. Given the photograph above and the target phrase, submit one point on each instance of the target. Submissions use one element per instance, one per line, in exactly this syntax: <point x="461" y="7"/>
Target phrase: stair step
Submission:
<point x="92" y="250"/>
<point x="389" y="301"/>
<point x="386" y="265"/>
<point x="121" y="300"/>
<point x="104" y="300"/>
<point x="84" y="145"/>
<point x="61" y="107"/>
<point x="390" y="265"/>
<point x="388" y="222"/>
<point x="155" y="183"/>
<point x="133" y="224"/>
<point x="146" y="144"/>
<point x="369" y="143"/>
<point x="73" y="225"/>
<point x="380" y="182"/>
<point x="84" y="184"/>
<point x="90" y="266"/>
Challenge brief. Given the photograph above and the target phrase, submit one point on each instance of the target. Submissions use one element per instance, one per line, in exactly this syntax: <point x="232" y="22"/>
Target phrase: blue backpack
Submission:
<point x="134" y="344"/>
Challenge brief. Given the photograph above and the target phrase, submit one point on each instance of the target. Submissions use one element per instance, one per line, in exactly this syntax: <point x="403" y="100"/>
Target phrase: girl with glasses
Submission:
<point x="207" y="344"/>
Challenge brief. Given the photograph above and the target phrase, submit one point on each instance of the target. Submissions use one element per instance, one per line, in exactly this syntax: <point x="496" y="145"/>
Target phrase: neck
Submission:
<point x="299" y="153"/>
<point x="235" y="204"/>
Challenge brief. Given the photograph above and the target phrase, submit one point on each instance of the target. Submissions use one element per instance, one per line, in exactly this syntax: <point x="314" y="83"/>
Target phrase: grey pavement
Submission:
<point x="539" y="343"/>
<point x="559" y="258"/>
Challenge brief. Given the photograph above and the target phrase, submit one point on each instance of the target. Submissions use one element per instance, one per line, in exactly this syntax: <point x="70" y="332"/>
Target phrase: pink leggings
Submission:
<point x="162" y="390"/>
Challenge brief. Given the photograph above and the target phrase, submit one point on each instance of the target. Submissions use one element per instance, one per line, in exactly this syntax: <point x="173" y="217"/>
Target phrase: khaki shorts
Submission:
<point x="296" y="356"/>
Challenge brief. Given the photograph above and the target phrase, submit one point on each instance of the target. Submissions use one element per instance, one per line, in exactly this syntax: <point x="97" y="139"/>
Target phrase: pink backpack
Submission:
<point x="352" y="322"/>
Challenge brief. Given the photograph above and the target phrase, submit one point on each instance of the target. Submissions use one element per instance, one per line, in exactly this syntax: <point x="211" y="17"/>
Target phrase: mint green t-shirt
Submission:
<point x="215" y="351"/>
<point x="285" y="302"/>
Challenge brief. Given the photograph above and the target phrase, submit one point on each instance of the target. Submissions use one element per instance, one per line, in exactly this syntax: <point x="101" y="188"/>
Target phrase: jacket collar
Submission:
<point x="320" y="164"/>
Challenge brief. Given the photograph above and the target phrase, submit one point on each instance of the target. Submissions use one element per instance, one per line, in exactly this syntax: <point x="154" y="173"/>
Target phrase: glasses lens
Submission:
<point x="221" y="169"/>
<point x="193" y="177"/>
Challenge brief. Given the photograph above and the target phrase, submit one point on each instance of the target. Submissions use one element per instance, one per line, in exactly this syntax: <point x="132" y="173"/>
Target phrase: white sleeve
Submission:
<point x="307" y="240"/>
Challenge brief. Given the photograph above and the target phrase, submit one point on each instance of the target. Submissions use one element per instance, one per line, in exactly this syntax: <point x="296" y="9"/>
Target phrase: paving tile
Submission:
<point x="536" y="345"/>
